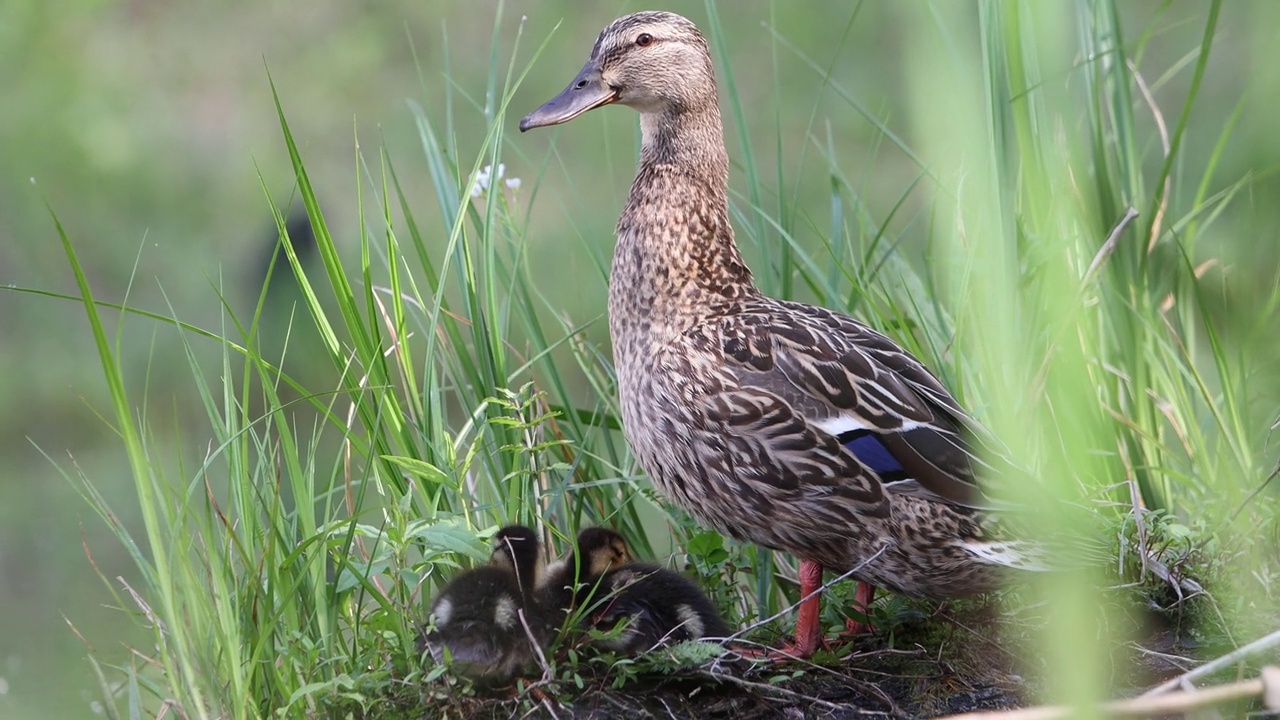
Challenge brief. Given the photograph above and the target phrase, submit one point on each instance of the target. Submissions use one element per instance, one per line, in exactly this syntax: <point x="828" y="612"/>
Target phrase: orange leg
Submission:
<point x="808" y="625"/>
<point x="862" y="603"/>
<point x="808" y="636"/>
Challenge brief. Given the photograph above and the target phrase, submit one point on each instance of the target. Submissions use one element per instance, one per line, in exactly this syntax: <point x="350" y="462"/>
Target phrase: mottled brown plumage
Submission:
<point x="785" y="424"/>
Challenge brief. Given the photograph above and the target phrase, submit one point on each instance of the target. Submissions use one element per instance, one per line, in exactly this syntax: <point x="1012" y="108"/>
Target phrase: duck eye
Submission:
<point x="644" y="40"/>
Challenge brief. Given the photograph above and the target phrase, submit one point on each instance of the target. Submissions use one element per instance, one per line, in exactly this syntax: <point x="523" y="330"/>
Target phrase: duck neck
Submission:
<point x="676" y="255"/>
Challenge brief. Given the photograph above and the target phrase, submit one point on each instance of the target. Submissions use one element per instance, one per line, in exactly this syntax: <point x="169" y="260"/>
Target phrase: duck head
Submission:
<point x="655" y="62"/>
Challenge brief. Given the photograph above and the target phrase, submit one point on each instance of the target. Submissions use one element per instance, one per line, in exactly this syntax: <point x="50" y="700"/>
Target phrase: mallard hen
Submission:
<point x="785" y="424"/>
<point x="477" y="616"/>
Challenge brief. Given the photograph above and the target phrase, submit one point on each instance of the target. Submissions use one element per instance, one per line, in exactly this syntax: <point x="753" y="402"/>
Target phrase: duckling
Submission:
<point x="659" y="606"/>
<point x="568" y="583"/>
<point x="477" y="615"/>
<point x="789" y="425"/>
<point x="517" y="550"/>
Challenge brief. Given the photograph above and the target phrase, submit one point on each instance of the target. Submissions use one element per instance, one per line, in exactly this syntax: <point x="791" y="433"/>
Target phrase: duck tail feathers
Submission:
<point x="1016" y="554"/>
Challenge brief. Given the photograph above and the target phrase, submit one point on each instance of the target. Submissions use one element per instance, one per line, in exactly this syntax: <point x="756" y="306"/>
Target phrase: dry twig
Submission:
<point x="1240" y="653"/>
<point x="1268" y="686"/>
<point x="777" y="691"/>
<point x="1163" y="131"/>
<point x="1109" y="246"/>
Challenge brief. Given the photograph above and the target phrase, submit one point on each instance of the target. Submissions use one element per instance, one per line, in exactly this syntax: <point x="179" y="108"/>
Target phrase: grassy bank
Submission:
<point x="285" y="568"/>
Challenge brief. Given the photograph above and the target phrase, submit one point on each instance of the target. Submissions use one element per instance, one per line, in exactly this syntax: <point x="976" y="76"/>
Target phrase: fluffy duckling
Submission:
<point x="517" y="550"/>
<point x="477" y="615"/>
<point x="659" y="606"/>
<point x="569" y="582"/>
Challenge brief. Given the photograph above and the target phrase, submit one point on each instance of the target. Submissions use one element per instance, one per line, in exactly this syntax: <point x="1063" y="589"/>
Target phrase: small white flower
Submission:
<point x="487" y="176"/>
<point x="481" y="184"/>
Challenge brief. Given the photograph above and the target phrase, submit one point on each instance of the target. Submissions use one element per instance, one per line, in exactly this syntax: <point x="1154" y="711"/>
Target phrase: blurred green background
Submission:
<point x="144" y="126"/>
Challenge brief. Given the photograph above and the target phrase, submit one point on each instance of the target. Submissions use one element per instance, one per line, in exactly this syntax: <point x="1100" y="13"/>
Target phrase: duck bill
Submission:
<point x="588" y="91"/>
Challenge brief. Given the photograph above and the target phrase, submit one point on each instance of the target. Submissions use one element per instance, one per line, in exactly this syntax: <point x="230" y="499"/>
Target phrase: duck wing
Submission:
<point x="780" y="460"/>
<point x="820" y="388"/>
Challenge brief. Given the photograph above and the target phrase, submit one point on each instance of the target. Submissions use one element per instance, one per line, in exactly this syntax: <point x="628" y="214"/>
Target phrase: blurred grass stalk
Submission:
<point x="1011" y="246"/>
<point x="1083" y="372"/>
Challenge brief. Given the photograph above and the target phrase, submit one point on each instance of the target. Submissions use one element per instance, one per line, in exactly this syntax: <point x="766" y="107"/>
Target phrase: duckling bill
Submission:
<point x="789" y="425"/>
<point x="477" y="616"/>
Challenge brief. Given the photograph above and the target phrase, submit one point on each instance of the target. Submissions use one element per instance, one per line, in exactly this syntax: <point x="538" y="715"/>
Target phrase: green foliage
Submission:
<point x="285" y="575"/>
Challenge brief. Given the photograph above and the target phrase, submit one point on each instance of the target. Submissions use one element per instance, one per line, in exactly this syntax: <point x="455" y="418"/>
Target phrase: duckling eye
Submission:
<point x="644" y="40"/>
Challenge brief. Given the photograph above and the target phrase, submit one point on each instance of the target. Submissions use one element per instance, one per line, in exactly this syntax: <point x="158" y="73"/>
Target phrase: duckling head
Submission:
<point x="601" y="550"/>
<point x="655" y="62"/>
<point x="516" y="550"/>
